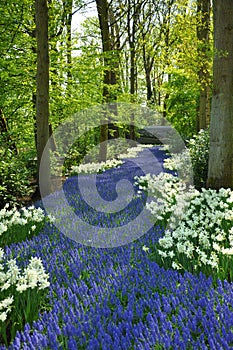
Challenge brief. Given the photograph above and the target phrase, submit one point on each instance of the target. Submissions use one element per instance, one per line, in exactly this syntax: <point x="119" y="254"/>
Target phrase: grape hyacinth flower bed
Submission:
<point x="118" y="298"/>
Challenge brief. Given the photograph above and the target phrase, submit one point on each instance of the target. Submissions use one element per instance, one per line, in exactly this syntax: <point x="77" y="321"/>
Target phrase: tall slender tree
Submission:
<point x="42" y="90"/>
<point x="220" y="172"/>
<point x="203" y="36"/>
<point x="103" y="14"/>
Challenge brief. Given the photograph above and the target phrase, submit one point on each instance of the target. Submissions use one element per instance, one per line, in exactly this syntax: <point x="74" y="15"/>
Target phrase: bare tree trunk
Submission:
<point x="133" y="12"/>
<point x="68" y="13"/>
<point x="42" y="87"/>
<point x="6" y="134"/>
<point x="102" y="9"/>
<point x="220" y="172"/>
<point x="203" y="28"/>
<point x="107" y="127"/>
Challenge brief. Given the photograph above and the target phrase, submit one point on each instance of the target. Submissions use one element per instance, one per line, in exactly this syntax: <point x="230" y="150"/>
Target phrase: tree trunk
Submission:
<point x="107" y="126"/>
<point x="220" y="172"/>
<point x="68" y="14"/>
<point x="6" y="134"/>
<point x="133" y="12"/>
<point x="203" y="28"/>
<point x="42" y="93"/>
<point x="102" y="9"/>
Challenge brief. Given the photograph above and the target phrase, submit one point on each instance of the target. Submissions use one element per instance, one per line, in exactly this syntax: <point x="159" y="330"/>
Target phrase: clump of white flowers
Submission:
<point x="198" y="225"/>
<point x="204" y="237"/>
<point x="20" y="293"/>
<point x="11" y="217"/>
<point x="180" y="163"/>
<point x="18" y="225"/>
<point x="171" y="197"/>
<point x="95" y="168"/>
<point x="132" y="152"/>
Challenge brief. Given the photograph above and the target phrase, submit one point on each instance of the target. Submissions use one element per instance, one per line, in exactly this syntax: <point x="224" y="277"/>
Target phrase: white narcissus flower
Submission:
<point x="1" y="254"/>
<point x="3" y="316"/>
<point x="145" y="249"/>
<point x="220" y="237"/>
<point x="3" y="227"/>
<point x="5" y="286"/>
<point x="181" y="247"/>
<point x="31" y="275"/>
<point x="6" y="302"/>
<point x="175" y="266"/>
<point x="13" y="271"/>
<point x="44" y="284"/>
<point x="3" y="276"/>
<point x="216" y="247"/>
<point x="213" y="260"/>
<point x="166" y="241"/>
<point x="21" y="287"/>
<point x="171" y="254"/>
<point x="227" y="251"/>
<point x="163" y="254"/>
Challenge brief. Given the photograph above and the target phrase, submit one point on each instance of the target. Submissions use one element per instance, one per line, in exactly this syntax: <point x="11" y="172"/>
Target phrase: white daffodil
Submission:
<point x="227" y="251"/>
<point x="5" y="286"/>
<point x="145" y="249"/>
<point x="6" y="302"/>
<point x="3" y="316"/>
<point x="175" y="266"/>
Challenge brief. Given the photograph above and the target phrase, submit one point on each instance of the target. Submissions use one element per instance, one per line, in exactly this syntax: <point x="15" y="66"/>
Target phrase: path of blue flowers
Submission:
<point x="119" y="299"/>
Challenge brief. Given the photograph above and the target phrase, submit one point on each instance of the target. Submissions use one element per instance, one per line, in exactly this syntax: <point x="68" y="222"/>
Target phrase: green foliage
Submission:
<point x="182" y="103"/>
<point x="199" y="152"/>
<point x="14" y="177"/>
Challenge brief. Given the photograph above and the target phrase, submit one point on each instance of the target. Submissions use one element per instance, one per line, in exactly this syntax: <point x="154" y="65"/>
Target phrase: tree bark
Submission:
<point x="133" y="12"/>
<point x="220" y="173"/>
<point x="6" y="134"/>
<point x="42" y="90"/>
<point x="203" y="28"/>
<point x="107" y="127"/>
<point x="102" y="9"/>
<point x="68" y="5"/>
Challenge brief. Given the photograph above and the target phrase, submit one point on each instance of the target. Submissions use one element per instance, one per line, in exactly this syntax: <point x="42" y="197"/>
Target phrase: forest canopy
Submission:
<point x="157" y="54"/>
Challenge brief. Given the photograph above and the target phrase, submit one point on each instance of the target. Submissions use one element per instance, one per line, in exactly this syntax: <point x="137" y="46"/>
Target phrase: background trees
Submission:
<point x="155" y="53"/>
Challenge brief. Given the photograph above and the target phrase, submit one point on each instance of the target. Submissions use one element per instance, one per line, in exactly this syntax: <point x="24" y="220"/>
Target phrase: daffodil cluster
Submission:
<point x="132" y="152"/>
<point x="18" y="225"/>
<point x="95" y="168"/>
<point x="16" y="287"/>
<point x="11" y="217"/>
<point x="180" y="163"/>
<point x="170" y="197"/>
<point x="198" y="224"/>
<point x="204" y="238"/>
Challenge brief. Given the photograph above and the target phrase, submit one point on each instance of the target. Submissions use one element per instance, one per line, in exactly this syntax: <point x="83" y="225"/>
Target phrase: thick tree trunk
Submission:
<point x="42" y="93"/>
<point x="107" y="128"/>
<point x="220" y="172"/>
